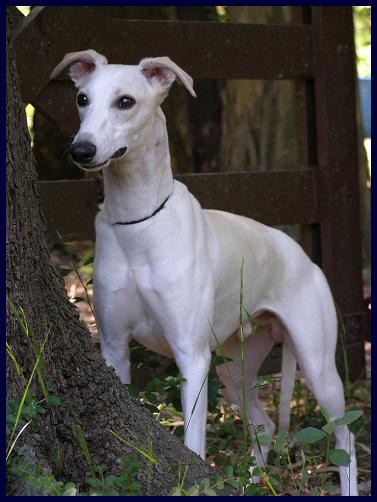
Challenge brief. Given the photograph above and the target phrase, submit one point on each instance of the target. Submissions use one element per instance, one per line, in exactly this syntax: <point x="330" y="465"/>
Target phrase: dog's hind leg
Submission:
<point x="325" y="383"/>
<point x="256" y="348"/>
<point x="314" y="337"/>
<point x="287" y="383"/>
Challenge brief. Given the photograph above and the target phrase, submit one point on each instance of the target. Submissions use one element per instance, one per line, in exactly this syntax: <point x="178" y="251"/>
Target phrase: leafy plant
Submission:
<point x="41" y="481"/>
<point x="44" y="483"/>
<point x="123" y="484"/>
<point x="313" y="435"/>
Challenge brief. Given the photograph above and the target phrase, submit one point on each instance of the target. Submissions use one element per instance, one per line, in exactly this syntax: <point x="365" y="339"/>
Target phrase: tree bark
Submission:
<point x="92" y="396"/>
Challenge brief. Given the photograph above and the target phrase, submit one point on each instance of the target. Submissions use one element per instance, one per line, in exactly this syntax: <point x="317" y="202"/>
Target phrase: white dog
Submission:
<point x="167" y="272"/>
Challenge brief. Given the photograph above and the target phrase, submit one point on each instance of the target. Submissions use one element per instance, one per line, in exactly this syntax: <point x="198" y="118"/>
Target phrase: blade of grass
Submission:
<point x="79" y="433"/>
<point x="146" y="455"/>
<point x="16" y="438"/>
<point x="14" y="360"/>
<point x="26" y="391"/>
<point x="242" y="345"/>
<point x="22" y="320"/>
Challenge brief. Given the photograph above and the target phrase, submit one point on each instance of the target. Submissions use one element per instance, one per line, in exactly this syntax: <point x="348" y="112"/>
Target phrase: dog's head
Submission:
<point x="117" y="104"/>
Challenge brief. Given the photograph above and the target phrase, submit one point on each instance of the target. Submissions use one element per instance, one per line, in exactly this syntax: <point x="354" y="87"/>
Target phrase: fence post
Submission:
<point x="338" y="187"/>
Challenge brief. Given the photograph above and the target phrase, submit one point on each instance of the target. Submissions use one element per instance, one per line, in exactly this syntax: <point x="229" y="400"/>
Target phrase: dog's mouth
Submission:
<point x="117" y="155"/>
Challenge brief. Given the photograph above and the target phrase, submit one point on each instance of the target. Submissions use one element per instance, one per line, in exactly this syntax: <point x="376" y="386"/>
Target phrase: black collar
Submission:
<point x="142" y="219"/>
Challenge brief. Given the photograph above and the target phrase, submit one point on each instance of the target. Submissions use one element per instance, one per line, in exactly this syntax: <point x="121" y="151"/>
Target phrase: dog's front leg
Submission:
<point x="194" y="369"/>
<point x="117" y="355"/>
<point x="114" y="337"/>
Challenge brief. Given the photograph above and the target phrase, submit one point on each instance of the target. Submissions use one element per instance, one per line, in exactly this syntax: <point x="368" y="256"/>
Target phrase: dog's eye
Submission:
<point x="125" y="102"/>
<point x="82" y="100"/>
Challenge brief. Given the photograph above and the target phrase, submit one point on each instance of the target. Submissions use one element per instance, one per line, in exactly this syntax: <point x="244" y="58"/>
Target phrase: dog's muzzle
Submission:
<point x="83" y="152"/>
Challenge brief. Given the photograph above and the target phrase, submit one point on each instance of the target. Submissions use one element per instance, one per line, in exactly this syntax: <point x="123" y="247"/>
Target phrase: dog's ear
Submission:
<point x="161" y="72"/>
<point x="80" y="65"/>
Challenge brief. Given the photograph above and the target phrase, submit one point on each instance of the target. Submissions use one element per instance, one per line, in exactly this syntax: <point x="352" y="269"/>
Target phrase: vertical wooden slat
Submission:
<point x="306" y="139"/>
<point x="338" y="191"/>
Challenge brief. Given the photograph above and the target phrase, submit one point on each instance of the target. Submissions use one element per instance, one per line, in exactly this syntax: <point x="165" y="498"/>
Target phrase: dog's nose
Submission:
<point x="82" y="151"/>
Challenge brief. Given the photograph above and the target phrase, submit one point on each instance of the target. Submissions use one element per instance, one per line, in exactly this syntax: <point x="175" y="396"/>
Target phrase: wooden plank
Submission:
<point x="47" y="34"/>
<point x="276" y="198"/>
<point x="212" y="50"/>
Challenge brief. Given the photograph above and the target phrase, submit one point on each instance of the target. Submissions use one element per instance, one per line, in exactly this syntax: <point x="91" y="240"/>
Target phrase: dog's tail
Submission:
<point x="288" y="371"/>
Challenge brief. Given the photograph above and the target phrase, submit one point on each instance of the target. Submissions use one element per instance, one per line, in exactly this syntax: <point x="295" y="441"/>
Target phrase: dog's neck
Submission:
<point x="138" y="184"/>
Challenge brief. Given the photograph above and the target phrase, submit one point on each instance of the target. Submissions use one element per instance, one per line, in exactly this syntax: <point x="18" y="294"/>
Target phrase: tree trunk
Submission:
<point x="91" y="394"/>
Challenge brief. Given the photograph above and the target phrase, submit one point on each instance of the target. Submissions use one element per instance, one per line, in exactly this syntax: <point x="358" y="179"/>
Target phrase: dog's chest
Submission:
<point x="128" y="290"/>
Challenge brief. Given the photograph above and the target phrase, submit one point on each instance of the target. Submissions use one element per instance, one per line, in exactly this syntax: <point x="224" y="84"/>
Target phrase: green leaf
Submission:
<point x="282" y="435"/>
<point x="210" y="493"/>
<point x="71" y="491"/>
<point x="265" y="438"/>
<point x="175" y="492"/>
<point x="229" y="471"/>
<point x="309" y="435"/>
<point x="88" y="261"/>
<point x="329" y="486"/>
<point x="220" y="484"/>
<point x="133" y="390"/>
<point x="329" y="428"/>
<point x="94" y="482"/>
<point x="89" y="282"/>
<point x="339" y="457"/>
<point x="54" y="400"/>
<point x="280" y="444"/>
<point x="349" y="417"/>
<point x="110" y="480"/>
<point x="133" y="488"/>
<point x="193" y="491"/>
<point x="153" y="385"/>
<point x="261" y="383"/>
<point x="218" y="359"/>
<point x="325" y="413"/>
<point x="205" y="483"/>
